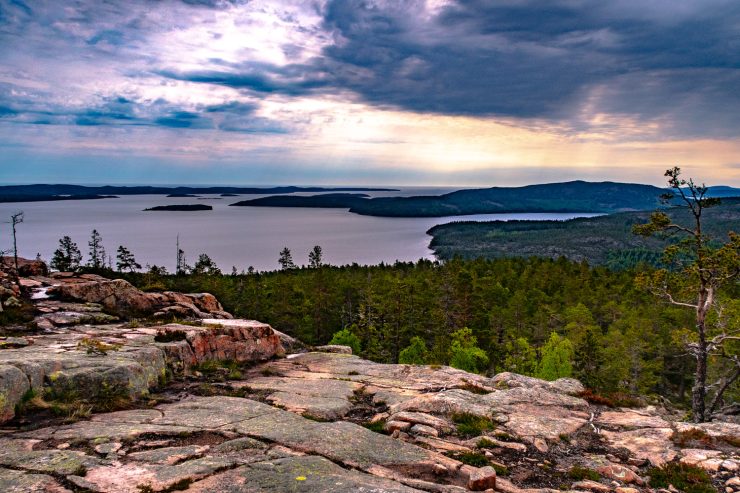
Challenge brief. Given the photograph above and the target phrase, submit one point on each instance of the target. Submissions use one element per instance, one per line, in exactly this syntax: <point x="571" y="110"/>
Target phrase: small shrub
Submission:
<point x="692" y="435"/>
<point x="615" y="399"/>
<point x="501" y="470"/>
<point x="377" y="426"/>
<point x="470" y="425"/>
<point x="353" y="373"/>
<point x="689" y="479"/>
<point x="485" y="443"/>
<point x="579" y="473"/>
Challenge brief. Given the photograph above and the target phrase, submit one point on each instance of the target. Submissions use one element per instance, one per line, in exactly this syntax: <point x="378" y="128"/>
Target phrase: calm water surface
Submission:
<point x="232" y="236"/>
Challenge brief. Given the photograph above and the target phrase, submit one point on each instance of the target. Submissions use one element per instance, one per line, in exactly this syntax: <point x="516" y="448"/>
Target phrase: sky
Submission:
<point x="368" y="92"/>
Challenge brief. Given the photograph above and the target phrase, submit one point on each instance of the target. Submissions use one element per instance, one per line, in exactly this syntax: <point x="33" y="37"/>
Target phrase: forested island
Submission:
<point x="184" y="207"/>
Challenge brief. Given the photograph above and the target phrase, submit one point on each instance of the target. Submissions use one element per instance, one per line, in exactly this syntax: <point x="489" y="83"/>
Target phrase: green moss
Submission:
<point x="501" y="470"/>
<point x="578" y="473"/>
<point x="689" y="479"/>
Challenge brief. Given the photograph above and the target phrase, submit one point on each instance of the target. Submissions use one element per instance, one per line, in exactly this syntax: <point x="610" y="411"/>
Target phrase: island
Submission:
<point x="184" y="207"/>
<point x="182" y="195"/>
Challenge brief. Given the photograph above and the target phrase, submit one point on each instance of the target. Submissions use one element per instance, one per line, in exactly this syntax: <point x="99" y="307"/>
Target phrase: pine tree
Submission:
<point x="589" y="360"/>
<point x="315" y="257"/>
<point x="125" y="260"/>
<point x="205" y="266"/>
<point x="67" y="257"/>
<point x="97" y="252"/>
<point x="286" y="259"/>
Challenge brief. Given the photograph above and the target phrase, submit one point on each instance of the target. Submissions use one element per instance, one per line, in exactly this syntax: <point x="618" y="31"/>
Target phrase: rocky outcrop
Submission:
<point x="119" y="297"/>
<point x="108" y="362"/>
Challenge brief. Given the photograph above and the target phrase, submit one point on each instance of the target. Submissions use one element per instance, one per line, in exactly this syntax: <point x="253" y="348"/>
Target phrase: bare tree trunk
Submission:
<point x="726" y="382"/>
<point x="699" y="391"/>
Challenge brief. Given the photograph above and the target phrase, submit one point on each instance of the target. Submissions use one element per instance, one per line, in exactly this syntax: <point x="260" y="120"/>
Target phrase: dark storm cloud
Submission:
<point x="533" y="58"/>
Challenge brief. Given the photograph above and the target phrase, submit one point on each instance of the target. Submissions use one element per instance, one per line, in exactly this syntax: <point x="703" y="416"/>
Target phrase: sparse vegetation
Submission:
<point x="686" y="478"/>
<point x="475" y="459"/>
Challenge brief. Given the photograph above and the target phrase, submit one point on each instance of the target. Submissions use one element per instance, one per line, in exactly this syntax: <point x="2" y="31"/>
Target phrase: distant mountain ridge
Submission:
<point x="42" y="192"/>
<point x="573" y="196"/>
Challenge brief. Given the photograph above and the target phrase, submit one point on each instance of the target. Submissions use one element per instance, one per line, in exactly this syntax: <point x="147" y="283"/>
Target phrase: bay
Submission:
<point x="232" y="236"/>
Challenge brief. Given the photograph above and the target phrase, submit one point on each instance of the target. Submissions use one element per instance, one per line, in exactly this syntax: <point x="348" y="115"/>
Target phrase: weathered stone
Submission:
<point x="12" y="481"/>
<point x="591" y="486"/>
<point x="620" y="473"/>
<point x="439" y="424"/>
<point x="169" y="455"/>
<point x="653" y="444"/>
<point x="631" y="419"/>
<point x="419" y="429"/>
<point x="481" y="479"/>
<point x="133" y="478"/>
<point x="13" y="386"/>
<point x="306" y="474"/>
<point x="333" y="348"/>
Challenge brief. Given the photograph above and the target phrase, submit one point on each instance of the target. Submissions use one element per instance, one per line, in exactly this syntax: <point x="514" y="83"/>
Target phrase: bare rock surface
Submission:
<point x="223" y="415"/>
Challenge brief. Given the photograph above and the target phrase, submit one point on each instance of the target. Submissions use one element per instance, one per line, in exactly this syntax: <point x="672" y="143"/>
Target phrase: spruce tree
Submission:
<point x="67" y="257"/>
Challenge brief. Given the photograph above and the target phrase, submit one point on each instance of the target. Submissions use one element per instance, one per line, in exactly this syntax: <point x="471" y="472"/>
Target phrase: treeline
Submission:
<point x="543" y="317"/>
<point x="603" y="240"/>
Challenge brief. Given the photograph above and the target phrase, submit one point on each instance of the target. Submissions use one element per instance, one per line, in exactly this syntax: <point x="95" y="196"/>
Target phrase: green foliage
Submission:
<point x="503" y="302"/>
<point x="556" y="359"/>
<point x="520" y="358"/>
<point x="415" y="353"/>
<point x="470" y="425"/>
<point x="464" y="352"/>
<point x="686" y="478"/>
<point x="346" y="338"/>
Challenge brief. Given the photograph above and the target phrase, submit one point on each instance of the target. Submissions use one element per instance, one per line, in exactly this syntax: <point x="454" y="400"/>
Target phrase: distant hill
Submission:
<point x="603" y="240"/>
<point x="43" y="192"/>
<point x="574" y="196"/>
